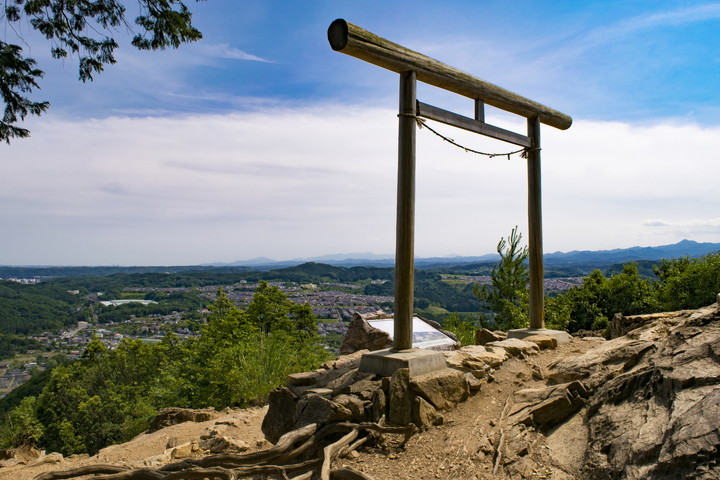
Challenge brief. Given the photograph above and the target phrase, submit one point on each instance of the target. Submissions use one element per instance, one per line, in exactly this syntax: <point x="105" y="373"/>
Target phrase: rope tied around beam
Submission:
<point x="422" y="123"/>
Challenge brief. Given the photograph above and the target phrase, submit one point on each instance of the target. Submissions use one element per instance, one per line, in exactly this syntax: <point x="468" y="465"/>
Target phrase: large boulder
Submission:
<point x="442" y="389"/>
<point x="400" y="400"/>
<point x="361" y="335"/>
<point x="321" y="410"/>
<point x="653" y="407"/>
<point x="281" y="414"/>
<point x="596" y="366"/>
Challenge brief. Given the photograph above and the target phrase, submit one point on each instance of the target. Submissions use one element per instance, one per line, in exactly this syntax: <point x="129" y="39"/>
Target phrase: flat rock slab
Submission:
<point x="520" y="333"/>
<point x="515" y="347"/>
<point x="549" y="406"/>
<point x="476" y="359"/>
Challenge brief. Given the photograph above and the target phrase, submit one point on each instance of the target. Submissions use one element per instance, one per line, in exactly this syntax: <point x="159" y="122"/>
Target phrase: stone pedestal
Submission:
<point x="418" y="362"/>
<point x="520" y="333"/>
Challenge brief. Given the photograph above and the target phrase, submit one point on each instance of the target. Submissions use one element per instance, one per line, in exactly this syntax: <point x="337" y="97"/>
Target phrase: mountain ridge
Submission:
<point x="689" y="248"/>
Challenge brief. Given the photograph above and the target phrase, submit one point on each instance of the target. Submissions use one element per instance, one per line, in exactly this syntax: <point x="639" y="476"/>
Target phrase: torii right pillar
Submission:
<point x="535" y="245"/>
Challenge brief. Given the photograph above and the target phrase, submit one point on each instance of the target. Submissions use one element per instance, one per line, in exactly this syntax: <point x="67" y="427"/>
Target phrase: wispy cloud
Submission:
<point x="712" y="223"/>
<point x="656" y="223"/>
<point x="614" y="32"/>
<point x="223" y="50"/>
<point x="681" y="16"/>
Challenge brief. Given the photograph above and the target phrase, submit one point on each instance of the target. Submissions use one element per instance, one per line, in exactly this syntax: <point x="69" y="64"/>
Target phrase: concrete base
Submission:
<point x="386" y="362"/>
<point x="520" y="333"/>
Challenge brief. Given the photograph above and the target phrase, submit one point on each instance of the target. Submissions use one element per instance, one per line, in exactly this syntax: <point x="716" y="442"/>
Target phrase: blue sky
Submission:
<point x="262" y="141"/>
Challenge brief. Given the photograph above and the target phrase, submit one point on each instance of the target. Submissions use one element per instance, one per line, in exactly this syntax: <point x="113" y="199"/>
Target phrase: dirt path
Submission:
<point x="463" y="447"/>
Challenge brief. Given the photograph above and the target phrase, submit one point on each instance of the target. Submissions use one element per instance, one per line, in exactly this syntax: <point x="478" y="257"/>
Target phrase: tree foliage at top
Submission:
<point x="508" y="295"/>
<point x="83" y="29"/>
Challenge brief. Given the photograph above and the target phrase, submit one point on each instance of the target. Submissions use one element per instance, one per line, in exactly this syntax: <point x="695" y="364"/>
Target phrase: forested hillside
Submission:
<point x="109" y="396"/>
<point x="27" y="309"/>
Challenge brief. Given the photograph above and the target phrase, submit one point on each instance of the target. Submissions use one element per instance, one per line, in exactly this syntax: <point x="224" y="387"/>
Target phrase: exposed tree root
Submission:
<point x="298" y="455"/>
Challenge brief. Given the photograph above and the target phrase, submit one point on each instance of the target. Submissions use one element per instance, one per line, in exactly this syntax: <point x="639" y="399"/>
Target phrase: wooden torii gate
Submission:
<point x="352" y="40"/>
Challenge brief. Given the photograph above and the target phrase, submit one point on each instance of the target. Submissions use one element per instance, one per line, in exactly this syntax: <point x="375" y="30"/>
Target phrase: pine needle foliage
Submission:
<point x="507" y="296"/>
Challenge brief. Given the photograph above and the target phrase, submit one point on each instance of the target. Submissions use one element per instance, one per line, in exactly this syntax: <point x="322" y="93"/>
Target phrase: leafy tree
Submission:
<point x="688" y="283"/>
<point x="21" y="426"/>
<point x="271" y="311"/>
<point x="106" y="397"/>
<point x="81" y="28"/>
<point x="629" y="293"/>
<point x="593" y="303"/>
<point x="463" y="328"/>
<point x="557" y="312"/>
<point x="243" y="354"/>
<point x="508" y="295"/>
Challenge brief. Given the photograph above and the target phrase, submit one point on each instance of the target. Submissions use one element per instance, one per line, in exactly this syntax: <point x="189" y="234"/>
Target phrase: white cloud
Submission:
<point x="707" y="228"/>
<point x="223" y="50"/>
<point x="288" y="183"/>
<point x="655" y="223"/>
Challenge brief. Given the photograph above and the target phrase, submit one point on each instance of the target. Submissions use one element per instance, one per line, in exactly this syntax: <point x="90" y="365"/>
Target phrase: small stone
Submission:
<point x="182" y="451"/>
<point x="483" y="336"/>
<point x="538" y="373"/>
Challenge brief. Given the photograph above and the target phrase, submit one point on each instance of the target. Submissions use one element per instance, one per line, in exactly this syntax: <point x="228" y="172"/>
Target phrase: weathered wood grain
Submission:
<point x="352" y="40"/>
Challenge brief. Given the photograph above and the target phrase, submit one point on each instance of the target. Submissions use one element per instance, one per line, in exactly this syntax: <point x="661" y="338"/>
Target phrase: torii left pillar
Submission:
<point x="403" y="355"/>
<point x="405" y="219"/>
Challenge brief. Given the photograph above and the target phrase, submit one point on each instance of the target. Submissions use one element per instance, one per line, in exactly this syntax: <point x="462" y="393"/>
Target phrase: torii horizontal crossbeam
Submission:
<point x="450" y="118"/>
<point x="352" y="40"/>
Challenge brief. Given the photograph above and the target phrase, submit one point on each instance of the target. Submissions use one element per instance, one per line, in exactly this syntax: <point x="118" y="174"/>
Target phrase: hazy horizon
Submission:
<point x="251" y="261"/>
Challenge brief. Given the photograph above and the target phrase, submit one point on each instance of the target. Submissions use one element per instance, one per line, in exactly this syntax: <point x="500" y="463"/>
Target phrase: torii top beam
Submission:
<point x="352" y="40"/>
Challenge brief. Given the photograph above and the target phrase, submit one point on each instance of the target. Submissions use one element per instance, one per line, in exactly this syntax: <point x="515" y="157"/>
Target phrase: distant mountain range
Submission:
<point x="683" y="248"/>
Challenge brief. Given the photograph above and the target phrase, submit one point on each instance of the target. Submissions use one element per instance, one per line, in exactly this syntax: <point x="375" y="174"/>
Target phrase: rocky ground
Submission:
<point x="644" y="405"/>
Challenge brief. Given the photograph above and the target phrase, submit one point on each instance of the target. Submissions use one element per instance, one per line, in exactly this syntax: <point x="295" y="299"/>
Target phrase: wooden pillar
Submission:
<point x="405" y="227"/>
<point x="535" y="246"/>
